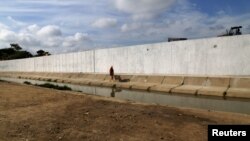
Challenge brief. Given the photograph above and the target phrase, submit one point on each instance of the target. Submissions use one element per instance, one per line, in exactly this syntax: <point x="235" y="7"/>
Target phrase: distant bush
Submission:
<point x="10" y="53"/>
<point x="27" y="83"/>
<point x="15" y="52"/>
<point x="52" y="86"/>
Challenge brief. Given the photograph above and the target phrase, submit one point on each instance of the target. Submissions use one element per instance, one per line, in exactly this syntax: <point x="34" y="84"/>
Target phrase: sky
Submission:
<point x="61" y="26"/>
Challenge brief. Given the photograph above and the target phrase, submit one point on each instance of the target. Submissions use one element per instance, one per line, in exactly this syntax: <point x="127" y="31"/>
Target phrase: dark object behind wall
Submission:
<point x="176" y="39"/>
<point x="233" y="31"/>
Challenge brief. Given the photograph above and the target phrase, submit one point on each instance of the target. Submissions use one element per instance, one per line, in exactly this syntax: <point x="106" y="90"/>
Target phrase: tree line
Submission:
<point x="15" y="51"/>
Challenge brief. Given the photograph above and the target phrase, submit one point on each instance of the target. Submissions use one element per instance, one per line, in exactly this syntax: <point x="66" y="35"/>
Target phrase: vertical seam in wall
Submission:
<point x="94" y="60"/>
<point x="163" y="79"/>
<point x="206" y="55"/>
<point x="230" y="79"/>
<point x="43" y="63"/>
<point x="128" y="57"/>
<point x="171" y="63"/>
<point x="72" y="63"/>
<point x="34" y="67"/>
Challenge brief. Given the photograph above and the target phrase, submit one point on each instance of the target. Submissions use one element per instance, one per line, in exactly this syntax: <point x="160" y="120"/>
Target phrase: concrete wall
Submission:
<point x="211" y="56"/>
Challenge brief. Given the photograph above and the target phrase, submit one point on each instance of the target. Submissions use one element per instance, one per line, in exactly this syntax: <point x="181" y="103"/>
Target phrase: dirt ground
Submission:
<point x="31" y="113"/>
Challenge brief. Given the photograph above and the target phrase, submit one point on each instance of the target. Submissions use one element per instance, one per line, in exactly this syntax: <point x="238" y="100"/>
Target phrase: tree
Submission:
<point x="15" y="47"/>
<point x="10" y="53"/>
<point x="42" y="53"/>
<point x="20" y="55"/>
<point x="14" y="52"/>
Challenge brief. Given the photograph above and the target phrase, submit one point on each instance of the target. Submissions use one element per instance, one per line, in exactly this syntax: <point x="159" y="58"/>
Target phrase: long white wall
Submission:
<point x="211" y="56"/>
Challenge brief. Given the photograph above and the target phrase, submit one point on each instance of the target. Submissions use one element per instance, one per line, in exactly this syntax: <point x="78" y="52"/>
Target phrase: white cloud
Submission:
<point x="133" y="26"/>
<point x="81" y="37"/>
<point x="28" y="40"/>
<point x="54" y="42"/>
<point x="49" y="31"/>
<point x="33" y="28"/>
<point x="75" y="40"/>
<point x="5" y="9"/>
<point x="2" y="26"/>
<point x="52" y="2"/>
<point x="143" y="9"/>
<point x="48" y="37"/>
<point x="105" y="23"/>
<point x="61" y="25"/>
<point x="189" y="23"/>
<point x="15" y="22"/>
<point x="7" y="35"/>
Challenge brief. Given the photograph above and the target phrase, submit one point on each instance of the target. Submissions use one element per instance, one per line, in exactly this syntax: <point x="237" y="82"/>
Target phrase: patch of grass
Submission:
<point x="27" y="83"/>
<point x="52" y="86"/>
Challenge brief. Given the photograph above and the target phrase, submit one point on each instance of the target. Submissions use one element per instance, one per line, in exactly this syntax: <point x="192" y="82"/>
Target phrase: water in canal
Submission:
<point x="187" y="101"/>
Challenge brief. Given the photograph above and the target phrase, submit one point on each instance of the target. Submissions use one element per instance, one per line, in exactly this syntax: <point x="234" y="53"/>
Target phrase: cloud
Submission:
<point x="47" y="24"/>
<point x="105" y="23"/>
<point x="7" y="35"/>
<point x="33" y="28"/>
<point x="143" y="9"/>
<point x="52" y="2"/>
<point x="49" y="31"/>
<point x="49" y="37"/>
<point x="2" y="26"/>
<point x="75" y="40"/>
<point x="28" y="40"/>
<point x="127" y="27"/>
<point x="81" y="37"/>
<point x="189" y="23"/>
<point x="15" y="22"/>
<point x="4" y="9"/>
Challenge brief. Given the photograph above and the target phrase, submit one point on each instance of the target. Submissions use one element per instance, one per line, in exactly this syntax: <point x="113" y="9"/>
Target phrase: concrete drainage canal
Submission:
<point x="207" y="103"/>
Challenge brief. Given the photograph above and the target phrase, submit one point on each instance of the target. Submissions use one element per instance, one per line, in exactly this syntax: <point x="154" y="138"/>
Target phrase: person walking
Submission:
<point x="111" y="73"/>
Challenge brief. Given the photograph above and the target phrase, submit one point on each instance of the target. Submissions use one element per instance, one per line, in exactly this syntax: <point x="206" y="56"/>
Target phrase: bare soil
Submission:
<point x="32" y="113"/>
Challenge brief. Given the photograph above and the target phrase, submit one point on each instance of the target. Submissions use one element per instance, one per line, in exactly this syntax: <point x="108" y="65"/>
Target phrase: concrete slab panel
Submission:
<point x="162" y="88"/>
<point x="212" y="91"/>
<point x="238" y="92"/>
<point x="186" y="89"/>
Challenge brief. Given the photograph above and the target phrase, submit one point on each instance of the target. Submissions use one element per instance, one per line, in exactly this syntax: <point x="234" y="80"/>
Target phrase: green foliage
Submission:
<point x="42" y="53"/>
<point x="27" y="83"/>
<point x="19" y="55"/>
<point x="4" y="53"/>
<point x="11" y="53"/>
<point x="16" y="52"/>
<point x="48" y="85"/>
<point x="15" y="47"/>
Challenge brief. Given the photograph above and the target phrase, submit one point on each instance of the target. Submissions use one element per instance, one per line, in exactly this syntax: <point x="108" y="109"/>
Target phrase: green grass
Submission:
<point x="52" y="86"/>
<point x="27" y="83"/>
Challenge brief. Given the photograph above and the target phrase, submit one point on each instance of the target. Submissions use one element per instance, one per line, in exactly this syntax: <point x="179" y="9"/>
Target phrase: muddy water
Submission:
<point x="208" y="103"/>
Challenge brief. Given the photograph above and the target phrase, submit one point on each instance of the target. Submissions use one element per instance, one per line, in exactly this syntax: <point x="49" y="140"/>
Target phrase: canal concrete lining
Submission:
<point x="192" y="85"/>
<point x="210" y="56"/>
